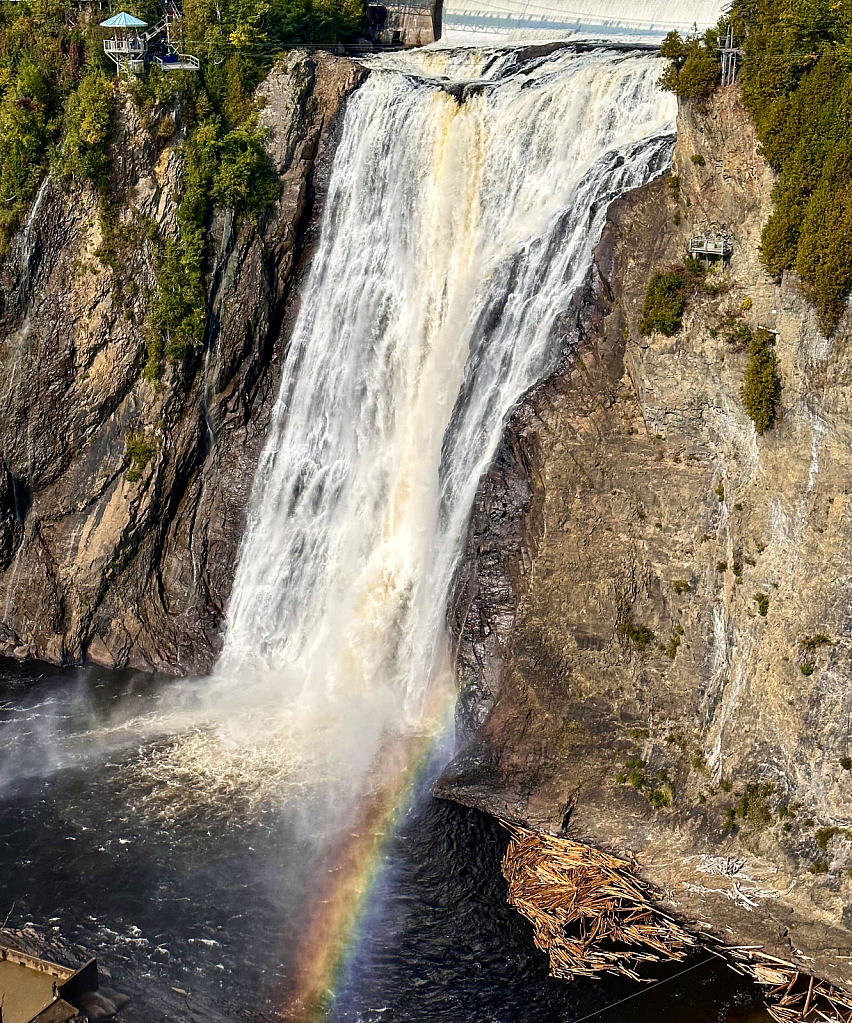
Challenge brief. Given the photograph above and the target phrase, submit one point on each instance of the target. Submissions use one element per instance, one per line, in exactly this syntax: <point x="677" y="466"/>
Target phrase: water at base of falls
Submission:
<point x="253" y="838"/>
<point x="212" y="910"/>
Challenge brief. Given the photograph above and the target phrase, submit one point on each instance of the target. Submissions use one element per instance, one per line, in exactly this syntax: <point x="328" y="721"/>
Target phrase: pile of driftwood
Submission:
<point x="590" y="912"/>
<point x="791" y="996"/>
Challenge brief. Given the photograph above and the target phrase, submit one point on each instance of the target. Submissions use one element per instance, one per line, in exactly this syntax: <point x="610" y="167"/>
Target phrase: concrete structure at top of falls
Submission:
<point x="475" y="22"/>
<point x="483" y="22"/>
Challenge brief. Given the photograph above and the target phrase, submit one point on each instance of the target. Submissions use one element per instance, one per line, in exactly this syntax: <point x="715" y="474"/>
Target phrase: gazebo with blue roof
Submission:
<point x="126" y="48"/>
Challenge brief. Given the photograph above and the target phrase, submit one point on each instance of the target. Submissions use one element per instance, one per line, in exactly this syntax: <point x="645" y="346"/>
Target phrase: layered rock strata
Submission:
<point x="654" y="604"/>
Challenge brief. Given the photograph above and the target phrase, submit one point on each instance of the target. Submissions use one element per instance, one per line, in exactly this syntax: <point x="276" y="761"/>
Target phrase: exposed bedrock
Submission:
<point x="632" y="496"/>
<point x="93" y="564"/>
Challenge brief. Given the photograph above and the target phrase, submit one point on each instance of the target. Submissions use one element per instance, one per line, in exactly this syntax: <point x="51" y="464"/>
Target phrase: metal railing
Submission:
<point x="706" y="245"/>
<point x="126" y="46"/>
<point x="177" y="62"/>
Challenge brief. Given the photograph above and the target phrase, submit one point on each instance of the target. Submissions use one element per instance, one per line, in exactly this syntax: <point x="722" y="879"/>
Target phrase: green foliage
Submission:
<point x="762" y="388"/>
<point x="666" y="297"/>
<point x="88" y="118"/>
<point x="635" y="762"/>
<point x="244" y="178"/>
<point x="729" y="821"/>
<point x="752" y="806"/>
<point x="810" y="643"/>
<point x="621" y="779"/>
<point x="846" y="763"/>
<point x="762" y="602"/>
<point x="693" y="70"/>
<point x="797" y="85"/>
<point x="661" y="797"/>
<point x="24" y="135"/>
<point x="42" y="61"/>
<point x="819" y="867"/>
<point x="825" y="835"/>
<point x="807" y="668"/>
<point x="639" y="635"/>
<point x="636" y="779"/>
<point x="138" y="452"/>
<point x="720" y="495"/>
<point x="673" y="644"/>
<point x="227" y="167"/>
<point x="698" y="159"/>
<point x="681" y="586"/>
<point x="664" y="304"/>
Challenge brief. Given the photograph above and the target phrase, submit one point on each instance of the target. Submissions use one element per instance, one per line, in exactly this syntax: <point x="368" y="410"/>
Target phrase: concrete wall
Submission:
<point x="482" y="21"/>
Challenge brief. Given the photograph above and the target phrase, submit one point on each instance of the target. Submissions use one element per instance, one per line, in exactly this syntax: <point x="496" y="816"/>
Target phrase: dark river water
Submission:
<point x="212" y="905"/>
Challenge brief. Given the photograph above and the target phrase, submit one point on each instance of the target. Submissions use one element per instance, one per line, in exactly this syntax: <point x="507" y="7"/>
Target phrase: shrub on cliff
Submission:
<point x="693" y="70"/>
<point x="762" y="388"/>
<point x="88" y="118"/>
<point x="665" y="299"/>
<point x="23" y="137"/>
<point x="41" y="60"/>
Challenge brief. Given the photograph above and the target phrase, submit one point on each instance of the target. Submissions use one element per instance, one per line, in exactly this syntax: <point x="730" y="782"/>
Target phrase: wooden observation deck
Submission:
<point x="709" y="247"/>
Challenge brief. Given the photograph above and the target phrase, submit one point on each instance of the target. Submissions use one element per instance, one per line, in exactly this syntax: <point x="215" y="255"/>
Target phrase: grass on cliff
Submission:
<point x="138" y="452"/>
<point x="639" y="635"/>
<point x="797" y="86"/>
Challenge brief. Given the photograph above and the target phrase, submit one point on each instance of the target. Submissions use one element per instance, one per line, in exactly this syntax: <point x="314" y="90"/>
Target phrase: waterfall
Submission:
<point x="455" y="232"/>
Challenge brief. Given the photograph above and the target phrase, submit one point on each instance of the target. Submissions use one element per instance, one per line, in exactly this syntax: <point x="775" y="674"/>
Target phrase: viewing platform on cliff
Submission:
<point x="709" y="246"/>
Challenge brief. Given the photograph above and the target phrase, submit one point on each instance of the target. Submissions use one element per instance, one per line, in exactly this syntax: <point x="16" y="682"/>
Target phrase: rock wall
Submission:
<point x="632" y="492"/>
<point x="93" y="565"/>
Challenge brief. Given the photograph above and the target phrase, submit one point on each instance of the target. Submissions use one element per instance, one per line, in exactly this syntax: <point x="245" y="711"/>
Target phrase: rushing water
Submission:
<point x="265" y="837"/>
<point x="457" y="227"/>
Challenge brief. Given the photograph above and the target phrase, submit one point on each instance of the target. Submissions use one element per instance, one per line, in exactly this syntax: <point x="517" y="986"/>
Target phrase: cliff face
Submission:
<point x="632" y="493"/>
<point x="93" y="565"/>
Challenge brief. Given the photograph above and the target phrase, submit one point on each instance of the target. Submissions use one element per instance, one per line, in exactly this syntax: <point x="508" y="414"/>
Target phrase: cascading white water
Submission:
<point x="453" y="237"/>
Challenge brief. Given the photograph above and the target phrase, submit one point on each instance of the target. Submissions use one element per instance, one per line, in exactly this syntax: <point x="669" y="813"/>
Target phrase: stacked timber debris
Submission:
<point x="590" y="912"/>
<point x="791" y="996"/>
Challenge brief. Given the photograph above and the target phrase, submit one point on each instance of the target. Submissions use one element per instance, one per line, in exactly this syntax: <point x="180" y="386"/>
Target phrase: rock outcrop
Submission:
<point x="94" y="565"/>
<point x="653" y="615"/>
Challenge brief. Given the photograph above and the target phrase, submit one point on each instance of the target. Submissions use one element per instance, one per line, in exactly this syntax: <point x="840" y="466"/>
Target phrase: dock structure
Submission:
<point x="37" y="991"/>
<point x="710" y="246"/>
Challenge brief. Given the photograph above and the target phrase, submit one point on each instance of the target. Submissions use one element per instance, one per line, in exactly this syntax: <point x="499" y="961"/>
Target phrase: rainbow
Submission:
<point x="350" y="867"/>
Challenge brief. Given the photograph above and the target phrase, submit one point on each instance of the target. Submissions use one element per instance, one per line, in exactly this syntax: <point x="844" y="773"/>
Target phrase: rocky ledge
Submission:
<point x="653" y="613"/>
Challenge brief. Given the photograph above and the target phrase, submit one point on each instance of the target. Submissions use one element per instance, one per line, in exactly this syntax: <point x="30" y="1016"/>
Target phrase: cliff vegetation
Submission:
<point x="57" y="100"/>
<point x="797" y="87"/>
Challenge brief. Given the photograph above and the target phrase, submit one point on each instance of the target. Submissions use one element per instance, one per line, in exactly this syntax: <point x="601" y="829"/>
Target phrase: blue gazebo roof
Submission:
<point x="123" y="20"/>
